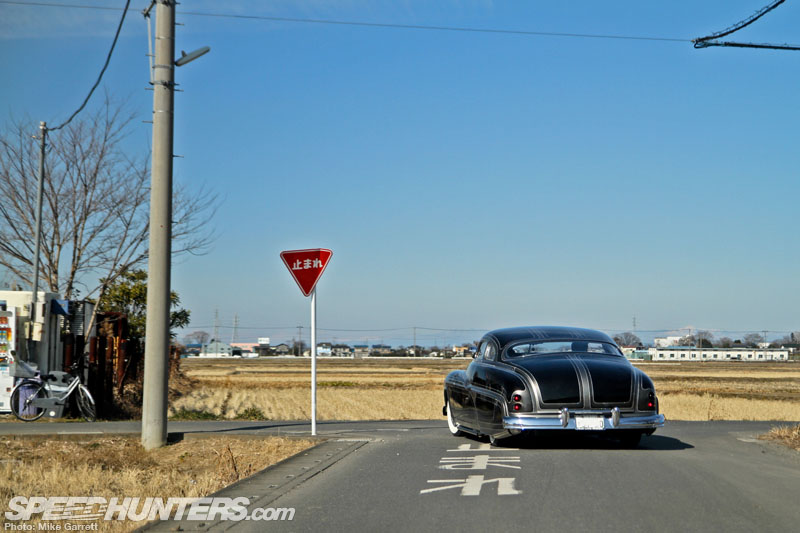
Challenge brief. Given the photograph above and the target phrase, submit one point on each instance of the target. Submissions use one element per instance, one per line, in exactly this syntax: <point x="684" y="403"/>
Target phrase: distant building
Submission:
<point x="636" y="354"/>
<point x="282" y="349"/>
<point x="690" y="353"/>
<point x="360" y="350"/>
<point x="216" y="349"/>
<point x="324" y="349"/>
<point x="461" y="351"/>
<point x="663" y="342"/>
<point x="192" y="349"/>
<point x="245" y="349"/>
<point x="381" y="349"/>
<point x="341" y="350"/>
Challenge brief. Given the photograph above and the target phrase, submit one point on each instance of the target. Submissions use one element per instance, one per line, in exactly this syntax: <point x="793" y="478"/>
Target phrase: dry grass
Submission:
<point x="118" y="467"/>
<point x="711" y="407"/>
<point x="379" y="389"/>
<point x="347" y="403"/>
<point x="786" y="435"/>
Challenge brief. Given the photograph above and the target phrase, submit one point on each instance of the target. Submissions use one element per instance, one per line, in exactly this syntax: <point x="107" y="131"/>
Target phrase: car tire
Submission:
<point x="451" y="424"/>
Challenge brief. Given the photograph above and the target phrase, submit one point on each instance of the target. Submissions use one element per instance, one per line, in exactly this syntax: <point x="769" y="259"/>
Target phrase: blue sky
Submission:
<point x="462" y="180"/>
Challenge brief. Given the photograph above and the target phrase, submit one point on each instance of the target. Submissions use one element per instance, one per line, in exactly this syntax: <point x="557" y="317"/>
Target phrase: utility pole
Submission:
<point x="415" y="341"/>
<point x="38" y="245"/>
<point x="156" y="354"/>
<point x="299" y="341"/>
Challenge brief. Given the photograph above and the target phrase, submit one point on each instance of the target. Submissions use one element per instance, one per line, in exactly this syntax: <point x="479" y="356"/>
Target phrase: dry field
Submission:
<point x="407" y="389"/>
<point x="118" y="467"/>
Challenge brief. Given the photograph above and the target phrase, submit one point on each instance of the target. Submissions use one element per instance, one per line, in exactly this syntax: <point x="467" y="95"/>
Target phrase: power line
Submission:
<point x="706" y="44"/>
<point x="377" y="24"/>
<point x="102" y="71"/>
<point x="51" y="4"/>
<point x="709" y="40"/>
<point x="741" y="24"/>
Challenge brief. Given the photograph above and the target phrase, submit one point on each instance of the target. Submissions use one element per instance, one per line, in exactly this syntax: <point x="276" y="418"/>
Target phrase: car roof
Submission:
<point x="506" y="336"/>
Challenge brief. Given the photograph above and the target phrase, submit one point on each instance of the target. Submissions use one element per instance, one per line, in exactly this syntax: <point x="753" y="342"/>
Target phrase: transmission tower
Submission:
<point x="235" y="334"/>
<point x="216" y="325"/>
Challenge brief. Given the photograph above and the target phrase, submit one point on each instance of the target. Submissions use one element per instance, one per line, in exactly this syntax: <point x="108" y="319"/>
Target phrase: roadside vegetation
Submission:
<point x="787" y="435"/>
<point x="118" y="467"/>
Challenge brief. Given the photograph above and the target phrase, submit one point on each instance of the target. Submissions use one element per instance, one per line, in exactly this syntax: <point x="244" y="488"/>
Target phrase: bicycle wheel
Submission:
<point x="86" y="404"/>
<point x="22" y="398"/>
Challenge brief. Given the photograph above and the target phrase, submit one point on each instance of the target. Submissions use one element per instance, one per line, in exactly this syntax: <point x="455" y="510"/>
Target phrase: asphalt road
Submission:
<point x="414" y="476"/>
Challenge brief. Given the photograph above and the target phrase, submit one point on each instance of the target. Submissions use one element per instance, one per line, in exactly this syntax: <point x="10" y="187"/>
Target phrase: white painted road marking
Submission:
<point x="481" y="448"/>
<point x="477" y="462"/>
<point x="472" y="485"/>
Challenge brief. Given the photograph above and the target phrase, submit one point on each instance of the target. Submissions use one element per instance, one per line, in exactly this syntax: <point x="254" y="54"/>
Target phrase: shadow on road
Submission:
<point x="573" y="440"/>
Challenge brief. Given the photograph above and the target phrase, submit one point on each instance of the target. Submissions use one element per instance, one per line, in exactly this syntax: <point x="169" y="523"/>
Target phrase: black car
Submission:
<point x="550" y="378"/>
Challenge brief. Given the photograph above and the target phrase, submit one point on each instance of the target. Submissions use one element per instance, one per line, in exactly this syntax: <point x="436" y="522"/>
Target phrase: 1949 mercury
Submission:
<point x="550" y="378"/>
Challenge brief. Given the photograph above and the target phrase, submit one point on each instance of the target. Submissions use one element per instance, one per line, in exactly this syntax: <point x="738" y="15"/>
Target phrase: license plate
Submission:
<point x="589" y="422"/>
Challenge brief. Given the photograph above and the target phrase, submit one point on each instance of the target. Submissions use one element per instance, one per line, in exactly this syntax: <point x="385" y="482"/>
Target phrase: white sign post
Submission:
<point x="306" y="267"/>
<point x="314" y="361"/>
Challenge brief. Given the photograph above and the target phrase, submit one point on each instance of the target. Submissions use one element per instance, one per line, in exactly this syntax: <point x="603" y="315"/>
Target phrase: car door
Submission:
<point x="465" y="413"/>
<point x="486" y="400"/>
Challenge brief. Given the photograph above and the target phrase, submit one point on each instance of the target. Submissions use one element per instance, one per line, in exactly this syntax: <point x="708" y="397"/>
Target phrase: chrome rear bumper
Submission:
<point x="612" y="420"/>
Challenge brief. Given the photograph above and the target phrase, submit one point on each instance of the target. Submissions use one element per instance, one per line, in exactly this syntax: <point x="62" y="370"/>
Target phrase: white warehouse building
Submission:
<point x="690" y="353"/>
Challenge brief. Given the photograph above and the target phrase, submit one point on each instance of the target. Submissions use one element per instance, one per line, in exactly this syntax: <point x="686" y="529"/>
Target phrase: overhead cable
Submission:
<point x="102" y="71"/>
<point x="710" y="40"/>
<point x="374" y="24"/>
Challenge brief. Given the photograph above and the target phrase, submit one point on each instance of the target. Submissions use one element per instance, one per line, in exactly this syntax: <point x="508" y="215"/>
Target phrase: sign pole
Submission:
<point x="314" y="362"/>
<point x="306" y="267"/>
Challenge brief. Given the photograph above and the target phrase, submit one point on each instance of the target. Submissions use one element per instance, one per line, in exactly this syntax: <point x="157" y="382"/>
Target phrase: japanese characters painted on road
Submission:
<point x="306" y="266"/>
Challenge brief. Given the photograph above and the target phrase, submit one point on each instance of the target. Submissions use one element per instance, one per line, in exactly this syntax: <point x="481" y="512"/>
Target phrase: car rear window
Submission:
<point x="550" y="347"/>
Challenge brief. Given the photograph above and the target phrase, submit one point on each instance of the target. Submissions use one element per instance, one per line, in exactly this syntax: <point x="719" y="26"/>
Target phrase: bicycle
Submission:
<point x="31" y="397"/>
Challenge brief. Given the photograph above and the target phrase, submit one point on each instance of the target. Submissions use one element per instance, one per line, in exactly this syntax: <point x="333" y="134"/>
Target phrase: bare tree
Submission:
<point x="688" y="340"/>
<point x="725" y="342"/>
<point x="197" y="337"/>
<point x="704" y="335"/>
<point x="752" y="339"/>
<point x="704" y="339"/>
<point x="627" y="339"/>
<point x="791" y="338"/>
<point x="96" y="205"/>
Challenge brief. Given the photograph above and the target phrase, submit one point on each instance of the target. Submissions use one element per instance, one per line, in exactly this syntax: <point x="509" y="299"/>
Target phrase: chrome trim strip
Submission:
<point x="555" y="422"/>
<point x="563" y="416"/>
<point x="615" y="416"/>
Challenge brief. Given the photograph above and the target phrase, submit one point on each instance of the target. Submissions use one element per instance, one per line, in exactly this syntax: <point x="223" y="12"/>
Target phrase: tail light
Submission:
<point x="647" y="400"/>
<point x="519" y="402"/>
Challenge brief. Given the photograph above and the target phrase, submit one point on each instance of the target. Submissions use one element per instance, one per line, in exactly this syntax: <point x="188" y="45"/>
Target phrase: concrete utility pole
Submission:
<point x="38" y="238"/>
<point x="156" y="354"/>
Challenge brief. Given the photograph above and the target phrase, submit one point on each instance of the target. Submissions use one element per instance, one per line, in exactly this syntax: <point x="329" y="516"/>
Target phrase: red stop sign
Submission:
<point x="306" y="266"/>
